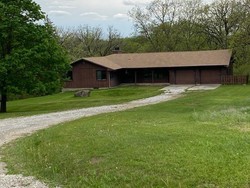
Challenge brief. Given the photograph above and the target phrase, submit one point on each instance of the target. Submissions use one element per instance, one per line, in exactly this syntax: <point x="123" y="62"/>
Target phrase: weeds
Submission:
<point x="236" y="118"/>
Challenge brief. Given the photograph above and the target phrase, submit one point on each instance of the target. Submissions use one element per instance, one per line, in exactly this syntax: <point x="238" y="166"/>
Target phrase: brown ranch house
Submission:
<point x="191" y="67"/>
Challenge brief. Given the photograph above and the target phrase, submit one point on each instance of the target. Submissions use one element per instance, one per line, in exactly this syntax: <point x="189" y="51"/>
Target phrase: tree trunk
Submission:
<point x="3" y="105"/>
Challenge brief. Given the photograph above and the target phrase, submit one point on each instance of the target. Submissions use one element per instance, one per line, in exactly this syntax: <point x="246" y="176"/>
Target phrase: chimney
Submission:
<point x="116" y="50"/>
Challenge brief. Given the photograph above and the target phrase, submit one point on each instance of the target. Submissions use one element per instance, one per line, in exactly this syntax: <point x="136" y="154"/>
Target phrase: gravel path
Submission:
<point x="13" y="128"/>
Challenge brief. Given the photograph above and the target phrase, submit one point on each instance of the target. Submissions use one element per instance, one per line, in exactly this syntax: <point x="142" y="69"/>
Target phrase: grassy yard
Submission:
<point x="200" y="140"/>
<point x="67" y="101"/>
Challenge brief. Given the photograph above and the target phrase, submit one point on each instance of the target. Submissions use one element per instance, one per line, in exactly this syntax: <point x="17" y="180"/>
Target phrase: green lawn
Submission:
<point x="67" y="101"/>
<point x="200" y="140"/>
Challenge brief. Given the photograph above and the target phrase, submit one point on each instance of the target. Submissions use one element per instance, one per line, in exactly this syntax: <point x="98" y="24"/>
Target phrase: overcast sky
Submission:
<point x="103" y="13"/>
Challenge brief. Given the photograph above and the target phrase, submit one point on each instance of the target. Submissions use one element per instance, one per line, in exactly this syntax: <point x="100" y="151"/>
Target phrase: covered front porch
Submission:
<point x="146" y="75"/>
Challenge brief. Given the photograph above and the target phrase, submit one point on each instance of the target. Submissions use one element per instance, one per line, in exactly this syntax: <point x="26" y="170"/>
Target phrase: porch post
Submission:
<point x="109" y="78"/>
<point x="135" y="77"/>
<point x="152" y="73"/>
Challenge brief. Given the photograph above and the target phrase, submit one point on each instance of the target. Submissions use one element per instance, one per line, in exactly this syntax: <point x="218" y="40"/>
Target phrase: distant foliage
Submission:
<point x="174" y="25"/>
<point x="86" y="41"/>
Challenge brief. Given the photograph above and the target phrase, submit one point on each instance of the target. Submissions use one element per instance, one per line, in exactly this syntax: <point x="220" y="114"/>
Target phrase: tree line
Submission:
<point x="86" y="41"/>
<point x="35" y="56"/>
<point x="172" y="25"/>
<point x="180" y="25"/>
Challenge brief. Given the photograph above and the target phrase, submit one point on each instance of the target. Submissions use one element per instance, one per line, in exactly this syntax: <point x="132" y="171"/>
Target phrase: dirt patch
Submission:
<point x="96" y="160"/>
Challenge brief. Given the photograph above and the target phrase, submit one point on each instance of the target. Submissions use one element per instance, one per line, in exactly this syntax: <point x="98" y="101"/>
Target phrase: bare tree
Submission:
<point x="142" y="22"/>
<point x="188" y="26"/>
<point x="64" y="34"/>
<point x="157" y="22"/>
<point x="112" y="41"/>
<point x="86" y="41"/>
<point x="221" y="20"/>
<point x="69" y="42"/>
<point x="89" y="39"/>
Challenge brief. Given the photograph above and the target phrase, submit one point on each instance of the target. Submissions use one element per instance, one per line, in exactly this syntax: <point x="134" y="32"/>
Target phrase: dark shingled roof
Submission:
<point x="164" y="59"/>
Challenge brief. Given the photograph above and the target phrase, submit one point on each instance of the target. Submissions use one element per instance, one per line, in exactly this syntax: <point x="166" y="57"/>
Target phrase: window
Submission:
<point x="158" y="74"/>
<point x="101" y="75"/>
<point x="147" y="74"/>
<point x="69" y="75"/>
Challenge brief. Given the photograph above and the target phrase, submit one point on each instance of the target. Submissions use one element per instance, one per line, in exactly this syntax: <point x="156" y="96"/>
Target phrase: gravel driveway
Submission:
<point x="13" y="128"/>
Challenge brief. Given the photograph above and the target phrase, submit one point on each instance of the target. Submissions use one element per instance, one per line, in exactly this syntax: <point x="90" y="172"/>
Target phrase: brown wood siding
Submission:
<point x="212" y="76"/>
<point x="84" y="76"/>
<point x="185" y="76"/>
<point x="114" y="81"/>
<point x="172" y="76"/>
<point x="197" y="75"/>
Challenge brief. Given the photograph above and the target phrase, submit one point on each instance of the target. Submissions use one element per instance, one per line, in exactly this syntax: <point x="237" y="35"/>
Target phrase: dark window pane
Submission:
<point x="70" y="75"/>
<point x="101" y="75"/>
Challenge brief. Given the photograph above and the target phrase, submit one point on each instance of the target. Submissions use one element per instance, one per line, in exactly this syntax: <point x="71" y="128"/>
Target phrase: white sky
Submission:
<point x="103" y="13"/>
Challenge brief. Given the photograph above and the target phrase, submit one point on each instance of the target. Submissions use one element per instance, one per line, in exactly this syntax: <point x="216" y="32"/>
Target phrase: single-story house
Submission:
<point x="190" y="67"/>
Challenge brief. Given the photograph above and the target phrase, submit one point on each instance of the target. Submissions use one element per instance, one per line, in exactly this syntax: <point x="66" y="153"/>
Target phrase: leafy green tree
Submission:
<point x="31" y="60"/>
<point x="221" y="20"/>
<point x="155" y="22"/>
<point x="241" y="43"/>
<point x="170" y="25"/>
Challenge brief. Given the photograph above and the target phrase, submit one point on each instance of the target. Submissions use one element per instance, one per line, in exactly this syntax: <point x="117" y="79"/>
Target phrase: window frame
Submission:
<point x="101" y="75"/>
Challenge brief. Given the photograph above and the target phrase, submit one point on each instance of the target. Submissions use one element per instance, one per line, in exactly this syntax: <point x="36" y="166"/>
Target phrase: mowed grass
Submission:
<point x="199" y="140"/>
<point x="67" y="101"/>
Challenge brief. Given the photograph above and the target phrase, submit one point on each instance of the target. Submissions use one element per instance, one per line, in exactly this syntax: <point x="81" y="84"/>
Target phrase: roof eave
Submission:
<point x="82" y="59"/>
<point x="175" y="66"/>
